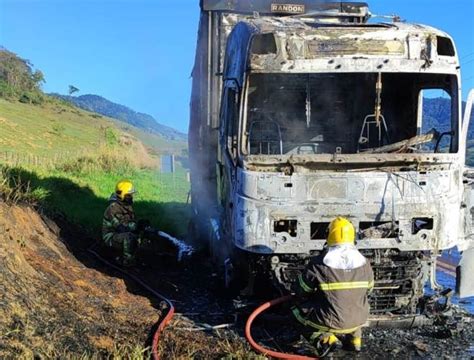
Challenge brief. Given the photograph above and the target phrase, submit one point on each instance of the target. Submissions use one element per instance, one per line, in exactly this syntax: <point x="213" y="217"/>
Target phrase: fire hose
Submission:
<point x="161" y="322"/>
<point x="261" y="349"/>
<point x="164" y="321"/>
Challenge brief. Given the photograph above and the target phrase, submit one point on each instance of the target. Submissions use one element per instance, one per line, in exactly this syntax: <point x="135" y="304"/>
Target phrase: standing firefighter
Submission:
<point x="332" y="292"/>
<point x="119" y="228"/>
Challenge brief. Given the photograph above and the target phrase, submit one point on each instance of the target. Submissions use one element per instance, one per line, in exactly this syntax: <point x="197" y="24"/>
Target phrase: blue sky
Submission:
<point x="140" y="53"/>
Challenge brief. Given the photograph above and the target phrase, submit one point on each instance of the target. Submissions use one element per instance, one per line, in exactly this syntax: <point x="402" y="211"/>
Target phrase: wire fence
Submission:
<point x="21" y="159"/>
<point x="175" y="167"/>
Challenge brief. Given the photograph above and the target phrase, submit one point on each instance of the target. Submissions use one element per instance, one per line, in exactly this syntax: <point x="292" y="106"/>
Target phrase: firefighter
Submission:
<point x="331" y="293"/>
<point x="119" y="228"/>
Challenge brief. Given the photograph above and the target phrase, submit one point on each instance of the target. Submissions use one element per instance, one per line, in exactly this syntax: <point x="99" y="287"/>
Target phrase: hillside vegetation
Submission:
<point x="72" y="162"/>
<point x="55" y="128"/>
<point x="70" y="159"/>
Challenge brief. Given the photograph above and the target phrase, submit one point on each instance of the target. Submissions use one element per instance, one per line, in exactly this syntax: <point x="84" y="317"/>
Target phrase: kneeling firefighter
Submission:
<point x="122" y="232"/>
<point x="331" y="301"/>
<point x="119" y="227"/>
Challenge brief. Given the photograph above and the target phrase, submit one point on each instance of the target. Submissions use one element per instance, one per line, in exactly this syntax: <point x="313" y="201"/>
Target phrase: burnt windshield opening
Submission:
<point x="288" y="114"/>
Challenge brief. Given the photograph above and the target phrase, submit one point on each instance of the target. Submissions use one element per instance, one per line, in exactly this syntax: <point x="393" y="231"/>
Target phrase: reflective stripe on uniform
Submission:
<point x="303" y="285"/>
<point x="112" y="223"/>
<point x="108" y="238"/>
<point x="346" y="285"/>
<point x="321" y="328"/>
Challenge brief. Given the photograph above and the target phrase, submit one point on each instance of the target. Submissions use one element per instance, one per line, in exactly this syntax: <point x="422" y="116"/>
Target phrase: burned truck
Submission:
<point x="307" y="111"/>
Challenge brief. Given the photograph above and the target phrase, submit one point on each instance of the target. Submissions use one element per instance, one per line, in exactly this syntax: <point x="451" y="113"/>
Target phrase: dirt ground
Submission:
<point x="58" y="301"/>
<point x="55" y="303"/>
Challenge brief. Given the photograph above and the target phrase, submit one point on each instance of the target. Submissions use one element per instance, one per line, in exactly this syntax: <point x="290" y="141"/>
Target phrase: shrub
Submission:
<point x="24" y="99"/>
<point x="77" y="166"/>
<point x="32" y="97"/>
<point x="106" y="162"/>
<point x="15" y="187"/>
<point x="111" y="137"/>
<point x="58" y="129"/>
<point x="115" y="164"/>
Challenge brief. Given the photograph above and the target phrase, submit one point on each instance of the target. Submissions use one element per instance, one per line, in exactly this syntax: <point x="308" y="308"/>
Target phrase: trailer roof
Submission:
<point x="286" y="6"/>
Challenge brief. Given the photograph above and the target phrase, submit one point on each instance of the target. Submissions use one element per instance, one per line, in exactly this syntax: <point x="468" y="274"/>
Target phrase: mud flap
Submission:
<point x="465" y="274"/>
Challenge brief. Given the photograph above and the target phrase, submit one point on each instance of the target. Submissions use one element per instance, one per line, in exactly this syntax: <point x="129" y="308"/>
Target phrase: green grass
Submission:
<point x="47" y="130"/>
<point x="83" y="196"/>
<point x="57" y="128"/>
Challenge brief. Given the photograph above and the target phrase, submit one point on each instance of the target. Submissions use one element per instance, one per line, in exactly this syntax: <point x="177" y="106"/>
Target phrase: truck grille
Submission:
<point x="398" y="282"/>
<point x="399" y="279"/>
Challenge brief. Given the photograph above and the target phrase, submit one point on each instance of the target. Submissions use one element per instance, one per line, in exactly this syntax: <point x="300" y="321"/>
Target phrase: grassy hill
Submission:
<point x="100" y="105"/>
<point x="57" y="128"/>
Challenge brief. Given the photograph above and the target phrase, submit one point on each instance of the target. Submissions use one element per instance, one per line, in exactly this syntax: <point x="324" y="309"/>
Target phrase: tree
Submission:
<point x="72" y="89"/>
<point x="38" y="78"/>
<point x="18" y="72"/>
<point x="18" y="79"/>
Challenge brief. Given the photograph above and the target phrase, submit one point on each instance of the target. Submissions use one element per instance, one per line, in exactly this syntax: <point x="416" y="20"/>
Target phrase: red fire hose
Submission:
<point x="165" y="321"/>
<point x="261" y="349"/>
<point x="162" y="322"/>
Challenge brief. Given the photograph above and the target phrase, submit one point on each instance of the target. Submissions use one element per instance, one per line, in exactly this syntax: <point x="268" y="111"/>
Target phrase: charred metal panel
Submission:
<point x="236" y="62"/>
<point x="352" y="49"/>
<point x="363" y="197"/>
<point x="467" y="212"/>
<point x="467" y="206"/>
<point x="344" y="47"/>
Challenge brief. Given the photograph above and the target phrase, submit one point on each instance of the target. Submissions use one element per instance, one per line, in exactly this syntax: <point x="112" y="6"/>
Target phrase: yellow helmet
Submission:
<point x="341" y="231"/>
<point x="123" y="188"/>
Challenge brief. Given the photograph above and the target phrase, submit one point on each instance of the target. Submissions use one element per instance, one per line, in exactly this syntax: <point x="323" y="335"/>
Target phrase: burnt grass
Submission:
<point x="53" y="305"/>
<point x="58" y="301"/>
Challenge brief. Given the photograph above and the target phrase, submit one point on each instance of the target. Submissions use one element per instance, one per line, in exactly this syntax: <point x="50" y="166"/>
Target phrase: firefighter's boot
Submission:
<point x="353" y="343"/>
<point x="325" y="343"/>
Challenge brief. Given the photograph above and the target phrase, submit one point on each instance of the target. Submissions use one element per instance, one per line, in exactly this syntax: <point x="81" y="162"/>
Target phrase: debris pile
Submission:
<point x="450" y="337"/>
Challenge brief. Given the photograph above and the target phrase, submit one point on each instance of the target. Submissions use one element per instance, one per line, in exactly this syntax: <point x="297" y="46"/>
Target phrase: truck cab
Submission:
<point x="322" y="114"/>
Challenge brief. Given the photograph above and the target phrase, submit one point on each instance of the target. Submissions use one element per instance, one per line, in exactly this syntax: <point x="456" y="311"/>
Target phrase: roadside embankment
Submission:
<point x="54" y="304"/>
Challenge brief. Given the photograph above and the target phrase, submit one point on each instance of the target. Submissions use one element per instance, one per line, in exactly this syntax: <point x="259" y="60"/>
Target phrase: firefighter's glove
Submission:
<point x="142" y="225"/>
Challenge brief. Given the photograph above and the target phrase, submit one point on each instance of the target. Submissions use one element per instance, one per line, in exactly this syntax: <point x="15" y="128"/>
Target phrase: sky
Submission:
<point x="140" y="53"/>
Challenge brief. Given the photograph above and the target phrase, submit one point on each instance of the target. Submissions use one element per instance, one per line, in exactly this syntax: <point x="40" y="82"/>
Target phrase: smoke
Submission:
<point x="202" y="141"/>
